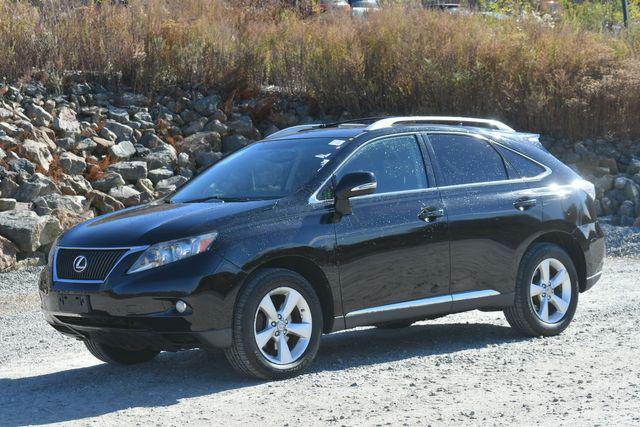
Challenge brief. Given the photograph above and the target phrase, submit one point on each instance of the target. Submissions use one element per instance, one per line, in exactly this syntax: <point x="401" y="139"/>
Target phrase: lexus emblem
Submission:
<point x="80" y="264"/>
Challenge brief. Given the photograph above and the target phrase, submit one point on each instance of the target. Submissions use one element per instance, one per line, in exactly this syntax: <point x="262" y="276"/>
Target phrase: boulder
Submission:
<point x="122" y="132"/>
<point x="38" y="153"/>
<point x="8" y="253"/>
<point x="216" y="125"/>
<point x="103" y="202"/>
<point x="183" y="160"/>
<point x="108" y="181"/>
<point x="36" y="185"/>
<point x="7" y="204"/>
<point x="170" y="184"/>
<point x="102" y="144"/>
<point x="207" y="158"/>
<point x="126" y="194"/>
<point x="164" y="156"/>
<point x="244" y="126"/>
<point x="156" y="175"/>
<point x="66" y="122"/>
<point x="122" y="151"/>
<point x="27" y="230"/>
<point x="22" y="165"/>
<point x="195" y="126"/>
<point x="72" y="164"/>
<point x="202" y="141"/>
<point x="74" y="185"/>
<point x="75" y="204"/>
<point x="207" y="105"/>
<point x="151" y="140"/>
<point x="39" y="115"/>
<point x="130" y="171"/>
<point x="233" y="143"/>
<point x="8" y="187"/>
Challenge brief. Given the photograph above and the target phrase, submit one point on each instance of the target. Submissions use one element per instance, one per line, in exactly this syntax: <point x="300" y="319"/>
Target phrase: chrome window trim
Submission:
<point x="129" y="251"/>
<point x="313" y="199"/>
<point x="424" y="302"/>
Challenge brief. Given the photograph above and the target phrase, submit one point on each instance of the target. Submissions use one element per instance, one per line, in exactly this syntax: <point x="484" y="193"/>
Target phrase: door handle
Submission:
<point x="430" y="214"/>
<point x="524" y="203"/>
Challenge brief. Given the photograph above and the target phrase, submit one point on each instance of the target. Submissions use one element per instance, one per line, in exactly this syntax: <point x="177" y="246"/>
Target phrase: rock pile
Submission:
<point x="67" y="157"/>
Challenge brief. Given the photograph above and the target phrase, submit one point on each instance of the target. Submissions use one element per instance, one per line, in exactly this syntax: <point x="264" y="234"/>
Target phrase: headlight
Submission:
<point x="175" y="250"/>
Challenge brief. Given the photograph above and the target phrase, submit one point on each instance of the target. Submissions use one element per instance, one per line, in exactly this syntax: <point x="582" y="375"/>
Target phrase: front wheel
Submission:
<point x="277" y="325"/>
<point x="546" y="292"/>
<point x="117" y="355"/>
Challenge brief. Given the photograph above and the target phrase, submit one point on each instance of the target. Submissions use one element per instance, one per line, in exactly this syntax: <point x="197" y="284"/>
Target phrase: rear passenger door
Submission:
<point x="491" y="212"/>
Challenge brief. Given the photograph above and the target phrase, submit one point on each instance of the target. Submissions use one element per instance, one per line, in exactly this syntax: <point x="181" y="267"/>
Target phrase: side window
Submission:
<point x="466" y="160"/>
<point x="523" y="167"/>
<point x="396" y="162"/>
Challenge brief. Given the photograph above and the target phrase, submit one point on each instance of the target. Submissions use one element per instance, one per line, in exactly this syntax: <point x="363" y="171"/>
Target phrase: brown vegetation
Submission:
<point x="560" y="80"/>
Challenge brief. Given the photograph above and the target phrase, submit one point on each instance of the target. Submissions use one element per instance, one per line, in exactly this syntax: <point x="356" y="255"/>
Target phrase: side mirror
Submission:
<point x="351" y="185"/>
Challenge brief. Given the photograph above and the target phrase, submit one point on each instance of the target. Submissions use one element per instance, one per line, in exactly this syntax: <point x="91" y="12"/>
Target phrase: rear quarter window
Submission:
<point x="521" y="166"/>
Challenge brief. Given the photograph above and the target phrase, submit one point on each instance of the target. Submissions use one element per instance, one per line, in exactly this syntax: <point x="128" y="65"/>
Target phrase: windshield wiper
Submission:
<point x="225" y="199"/>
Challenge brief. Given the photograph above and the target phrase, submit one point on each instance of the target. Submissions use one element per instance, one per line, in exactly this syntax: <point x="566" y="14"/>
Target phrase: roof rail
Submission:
<point x="293" y="129"/>
<point x="441" y="120"/>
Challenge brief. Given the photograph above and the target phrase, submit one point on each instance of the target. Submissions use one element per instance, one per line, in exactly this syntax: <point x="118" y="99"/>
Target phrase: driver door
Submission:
<point x="393" y="264"/>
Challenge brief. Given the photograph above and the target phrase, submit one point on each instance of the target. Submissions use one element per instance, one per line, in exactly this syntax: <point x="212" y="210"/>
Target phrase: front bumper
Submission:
<point x="138" y="311"/>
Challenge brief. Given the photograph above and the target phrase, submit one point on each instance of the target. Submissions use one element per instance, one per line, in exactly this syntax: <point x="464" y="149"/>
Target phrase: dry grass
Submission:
<point x="562" y="80"/>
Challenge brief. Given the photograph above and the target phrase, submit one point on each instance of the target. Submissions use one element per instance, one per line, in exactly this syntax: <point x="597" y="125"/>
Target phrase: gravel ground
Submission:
<point x="467" y="368"/>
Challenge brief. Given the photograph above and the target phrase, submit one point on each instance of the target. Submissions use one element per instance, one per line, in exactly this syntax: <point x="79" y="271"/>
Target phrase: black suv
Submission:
<point x="320" y="228"/>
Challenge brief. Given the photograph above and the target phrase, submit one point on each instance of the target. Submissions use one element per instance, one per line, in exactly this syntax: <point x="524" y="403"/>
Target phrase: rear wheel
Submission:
<point x="546" y="292"/>
<point x="117" y="355"/>
<point x="277" y="326"/>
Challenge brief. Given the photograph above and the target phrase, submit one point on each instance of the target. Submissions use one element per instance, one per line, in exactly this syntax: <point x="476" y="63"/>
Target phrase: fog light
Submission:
<point x="181" y="306"/>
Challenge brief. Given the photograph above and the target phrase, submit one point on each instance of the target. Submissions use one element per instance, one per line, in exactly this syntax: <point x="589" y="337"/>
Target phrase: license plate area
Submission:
<point x="74" y="304"/>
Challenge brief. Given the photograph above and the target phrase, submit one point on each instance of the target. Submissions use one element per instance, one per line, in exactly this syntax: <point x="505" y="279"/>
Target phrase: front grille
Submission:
<point x="99" y="263"/>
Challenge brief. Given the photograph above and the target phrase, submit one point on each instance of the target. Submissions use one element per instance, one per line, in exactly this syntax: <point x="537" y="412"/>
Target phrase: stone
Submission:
<point x="627" y="208"/>
<point x="102" y="144"/>
<point x="151" y="140"/>
<point x="244" y="126"/>
<point x="7" y="204"/>
<point x="108" y="181"/>
<point x="75" y="204"/>
<point x="201" y="141"/>
<point x="127" y="195"/>
<point x="38" y="153"/>
<point x="22" y="165"/>
<point x="145" y="185"/>
<point x="8" y="253"/>
<point x="233" y="143"/>
<point x="156" y="175"/>
<point x="10" y="129"/>
<point x="8" y="187"/>
<point x="107" y="134"/>
<point x="36" y="185"/>
<point x="39" y="115"/>
<point x="216" y="125"/>
<point x="76" y="183"/>
<point x="195" y="126"/>
<point x="143" y="117"/>
<point x="35" y="259"/>
<point x="207" y="105"/>
<point x="130" y="98"/>
<point x="207" y="158"/>
<point x="66" y="122"/>
<point x="620" y="182"/>
<point x="27" y="230"/>
<point x="103" y="202"/>
<point x="164" y="156"/>
<point x="72" y="164"/>
<point x="122" y="151"/>
<point x="183" y="160"/>
<point x="85" y="145"/>
<point x="122" y="132"/>
<point x="170" y="184"/>
<point x="118" y="114"/>
<point x="130" y="171"/>
<point x="604" y="183"/>
<point x="634" y="166"/>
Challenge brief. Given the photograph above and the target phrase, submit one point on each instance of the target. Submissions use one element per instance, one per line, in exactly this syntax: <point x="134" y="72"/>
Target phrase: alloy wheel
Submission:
<point x="550" y="291"/>
<point x="283" y="326"/>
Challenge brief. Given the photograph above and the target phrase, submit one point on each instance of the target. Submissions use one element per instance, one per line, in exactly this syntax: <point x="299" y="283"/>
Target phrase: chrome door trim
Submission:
<point x="424" y="302"/>
<point x="129" y="251"/>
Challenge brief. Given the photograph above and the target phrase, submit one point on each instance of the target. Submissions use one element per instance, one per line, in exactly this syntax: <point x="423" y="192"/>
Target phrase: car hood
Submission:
<point x="159" y="222"/>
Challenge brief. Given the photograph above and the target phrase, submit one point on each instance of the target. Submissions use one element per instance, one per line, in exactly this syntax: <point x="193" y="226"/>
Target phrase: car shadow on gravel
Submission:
<point x="91" y="391"/>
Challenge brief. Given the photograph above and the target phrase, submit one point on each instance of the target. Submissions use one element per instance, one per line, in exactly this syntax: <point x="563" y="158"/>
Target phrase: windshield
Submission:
<point x="264" y="170"/>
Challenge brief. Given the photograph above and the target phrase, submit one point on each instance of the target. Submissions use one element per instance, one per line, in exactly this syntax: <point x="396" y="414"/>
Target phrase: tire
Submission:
<point x="252" y="323"/>
<point x="117" y="355"/>
<point x="395" y="325"/>
<point x="533" y="292"/>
